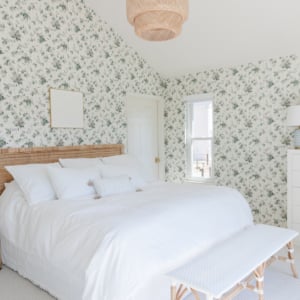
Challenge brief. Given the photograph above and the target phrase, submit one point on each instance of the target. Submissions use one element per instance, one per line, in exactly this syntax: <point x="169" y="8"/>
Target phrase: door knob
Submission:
<point x="157" y="160"/>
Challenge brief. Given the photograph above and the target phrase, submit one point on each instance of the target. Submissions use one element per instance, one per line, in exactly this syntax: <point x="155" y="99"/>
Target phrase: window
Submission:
<point x="199" y="137"/>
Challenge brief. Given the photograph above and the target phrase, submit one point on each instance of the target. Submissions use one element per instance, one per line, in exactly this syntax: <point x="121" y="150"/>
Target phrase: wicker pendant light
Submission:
<point x="157" y="20"/>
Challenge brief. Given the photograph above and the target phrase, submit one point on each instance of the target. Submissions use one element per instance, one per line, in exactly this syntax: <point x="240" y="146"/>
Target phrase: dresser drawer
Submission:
<point x="296" y="226"/>
<point x="295" y="193"/>
<point x="295" y="162"/>
<point x="295" y="178"/>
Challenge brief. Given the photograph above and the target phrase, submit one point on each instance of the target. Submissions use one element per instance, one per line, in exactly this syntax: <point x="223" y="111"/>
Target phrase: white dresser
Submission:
<point x="293" y="195"/>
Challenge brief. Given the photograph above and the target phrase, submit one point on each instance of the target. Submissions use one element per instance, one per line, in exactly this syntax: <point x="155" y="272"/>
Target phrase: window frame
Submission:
<point x="189" y="139"/>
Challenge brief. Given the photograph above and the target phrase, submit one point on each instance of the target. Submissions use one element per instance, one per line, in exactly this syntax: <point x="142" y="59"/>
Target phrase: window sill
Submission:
<point x="207" y="181"/>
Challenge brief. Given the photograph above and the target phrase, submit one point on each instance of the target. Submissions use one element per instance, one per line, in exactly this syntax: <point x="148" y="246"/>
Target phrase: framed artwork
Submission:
<point x="66" y="109"/>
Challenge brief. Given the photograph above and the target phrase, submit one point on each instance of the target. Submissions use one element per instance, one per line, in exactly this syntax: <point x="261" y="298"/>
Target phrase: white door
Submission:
<point x="144" y="133"/>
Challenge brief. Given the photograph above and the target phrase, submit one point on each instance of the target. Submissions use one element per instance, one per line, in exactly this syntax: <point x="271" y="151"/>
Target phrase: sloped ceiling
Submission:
<point x="218" y="33"/>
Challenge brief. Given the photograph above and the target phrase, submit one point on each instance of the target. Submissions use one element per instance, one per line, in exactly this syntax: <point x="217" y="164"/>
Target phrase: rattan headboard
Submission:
<point x="18" y="156"/>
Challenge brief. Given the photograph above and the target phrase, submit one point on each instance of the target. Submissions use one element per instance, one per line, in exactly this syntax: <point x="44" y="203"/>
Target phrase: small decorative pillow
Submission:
<point x="124" y="164"/>
<point x="113" y="185"/>
<point x="80" y="162"/>
<point x="73" y="183"/>
<point x="112" y="170"/>
<point x="34" y="181"/>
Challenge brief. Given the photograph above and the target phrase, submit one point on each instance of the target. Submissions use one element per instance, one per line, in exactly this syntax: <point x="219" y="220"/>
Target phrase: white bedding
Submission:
<point x="112" y="248"/>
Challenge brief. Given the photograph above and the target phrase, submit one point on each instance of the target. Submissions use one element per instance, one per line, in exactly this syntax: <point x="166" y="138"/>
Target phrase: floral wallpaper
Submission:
<point x="63" y="44"/>
<point x="251" y="138"/>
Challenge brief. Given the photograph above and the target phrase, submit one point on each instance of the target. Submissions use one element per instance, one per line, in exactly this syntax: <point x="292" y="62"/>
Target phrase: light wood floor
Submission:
<point x="279" y="285"/>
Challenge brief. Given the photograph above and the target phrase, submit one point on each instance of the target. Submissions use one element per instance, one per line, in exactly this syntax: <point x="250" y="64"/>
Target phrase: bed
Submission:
<point x="115" y="248"/>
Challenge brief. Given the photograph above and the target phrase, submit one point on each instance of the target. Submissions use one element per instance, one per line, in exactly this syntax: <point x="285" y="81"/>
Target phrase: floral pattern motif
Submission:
<point x="251" y="138"/>
<point x="63" y="44"/>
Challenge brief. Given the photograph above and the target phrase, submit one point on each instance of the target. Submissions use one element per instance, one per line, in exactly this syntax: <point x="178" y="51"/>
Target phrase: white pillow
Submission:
<point x="79" y="162"/>
<point x="10" y="201"/>
<point x="113" y="185"/>
<point x="123" y="159"/>
<point x="12" y="192"/>
<point x="73" y="183"/>
<point x="34" y="181"/>
<point x="112" y="170"/>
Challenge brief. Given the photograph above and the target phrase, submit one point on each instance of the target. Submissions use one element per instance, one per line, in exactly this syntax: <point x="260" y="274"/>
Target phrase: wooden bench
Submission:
<point x="232" y="266"/>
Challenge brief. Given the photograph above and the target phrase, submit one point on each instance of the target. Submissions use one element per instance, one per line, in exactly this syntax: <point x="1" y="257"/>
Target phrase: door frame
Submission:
<point x="160" y="128"/>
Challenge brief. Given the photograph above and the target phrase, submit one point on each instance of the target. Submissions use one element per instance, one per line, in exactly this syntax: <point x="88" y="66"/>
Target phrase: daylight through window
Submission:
<point x="199" y="136"/>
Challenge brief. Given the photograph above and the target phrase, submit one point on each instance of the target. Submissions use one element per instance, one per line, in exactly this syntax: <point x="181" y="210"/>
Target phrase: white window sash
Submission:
<point x="189" y="139"/>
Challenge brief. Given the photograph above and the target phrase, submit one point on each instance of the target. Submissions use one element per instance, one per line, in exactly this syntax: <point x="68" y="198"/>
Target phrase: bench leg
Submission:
<point x="173" y="292"/>
<point x="177" y="294"/>
<point x="196" y="295"/>
<point x="259" y="276"/>
<point x="290" y="247"/>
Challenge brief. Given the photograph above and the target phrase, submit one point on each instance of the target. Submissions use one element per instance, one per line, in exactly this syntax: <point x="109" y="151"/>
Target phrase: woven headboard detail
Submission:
<point x="19" y="156"/>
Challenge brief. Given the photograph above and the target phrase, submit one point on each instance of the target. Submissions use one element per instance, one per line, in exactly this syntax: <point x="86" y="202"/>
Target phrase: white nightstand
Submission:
<point x="293" y="191"/>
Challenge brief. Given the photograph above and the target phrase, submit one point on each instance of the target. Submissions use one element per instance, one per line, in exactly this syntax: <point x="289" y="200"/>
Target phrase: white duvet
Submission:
<point x="109" y="249"/>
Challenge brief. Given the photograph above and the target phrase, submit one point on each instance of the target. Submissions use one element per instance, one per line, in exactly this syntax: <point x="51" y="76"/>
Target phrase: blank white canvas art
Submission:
<point x="66" y="109"/>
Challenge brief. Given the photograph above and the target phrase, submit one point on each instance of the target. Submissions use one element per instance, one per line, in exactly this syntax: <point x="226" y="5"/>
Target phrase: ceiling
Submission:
<point x="217" y="34"/>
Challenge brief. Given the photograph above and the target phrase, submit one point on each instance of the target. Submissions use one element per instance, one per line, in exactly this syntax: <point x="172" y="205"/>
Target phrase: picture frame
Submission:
<point x="66" y="108"/>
